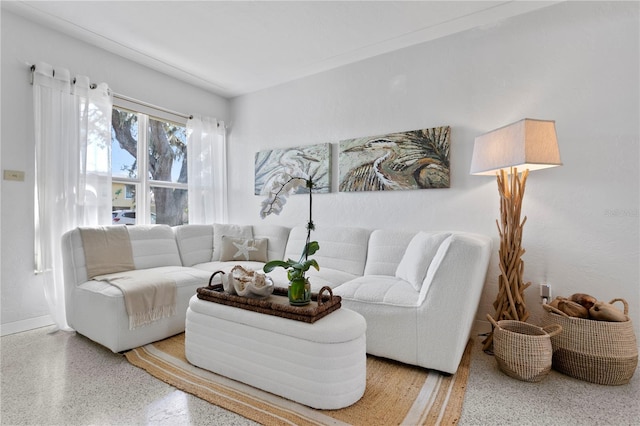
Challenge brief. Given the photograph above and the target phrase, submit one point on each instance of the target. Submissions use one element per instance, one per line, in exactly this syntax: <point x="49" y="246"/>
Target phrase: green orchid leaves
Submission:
<point x="295" y="269"/>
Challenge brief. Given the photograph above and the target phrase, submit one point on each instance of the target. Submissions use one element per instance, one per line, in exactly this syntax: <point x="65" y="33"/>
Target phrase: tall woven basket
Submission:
<point x="523" y="351"/>
<point x="600" y="352"/>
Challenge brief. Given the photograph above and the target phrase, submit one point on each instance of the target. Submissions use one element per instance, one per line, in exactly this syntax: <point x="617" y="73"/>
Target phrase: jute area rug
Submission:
<point x="395" y="394"/>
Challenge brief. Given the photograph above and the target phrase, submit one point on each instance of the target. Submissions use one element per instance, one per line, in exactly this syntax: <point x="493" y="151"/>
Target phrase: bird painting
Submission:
<point x="416" y="159"/>
<point x="311" y="161"/>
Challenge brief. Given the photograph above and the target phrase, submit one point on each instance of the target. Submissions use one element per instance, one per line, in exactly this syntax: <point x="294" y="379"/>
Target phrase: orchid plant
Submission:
<point x="281" y="188"/>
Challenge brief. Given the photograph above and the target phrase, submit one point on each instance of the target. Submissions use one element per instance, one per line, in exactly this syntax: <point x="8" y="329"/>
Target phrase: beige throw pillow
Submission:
<point x="242" y="249"/>
<point x="236" y="231"/>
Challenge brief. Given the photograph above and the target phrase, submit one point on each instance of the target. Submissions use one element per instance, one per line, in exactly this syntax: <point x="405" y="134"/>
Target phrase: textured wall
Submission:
<point x="576" y="63"/>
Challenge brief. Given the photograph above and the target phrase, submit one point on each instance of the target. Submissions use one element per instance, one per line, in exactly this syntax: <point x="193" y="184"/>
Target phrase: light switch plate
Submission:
<point x="16" y="175"/>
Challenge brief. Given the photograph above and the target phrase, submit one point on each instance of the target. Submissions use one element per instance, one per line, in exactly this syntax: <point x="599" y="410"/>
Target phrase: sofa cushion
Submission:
<point x="386" y="248"/>
<point x="153" y="246"/>
<point x="379" y="290"/>
<point x="229" y="230"/>
<point x="418" y="256"/>
<point x="183" y="277"/>
<point x="341" y="248"/>
<point x="195" y="243"/>
<point x="318" y="279"/>
<point x="234" y="249"/>
<point x="277" y="236"/>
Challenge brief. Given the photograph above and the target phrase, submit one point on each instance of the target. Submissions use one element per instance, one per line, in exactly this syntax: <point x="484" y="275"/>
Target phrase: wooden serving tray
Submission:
<point x="277" y="303"/>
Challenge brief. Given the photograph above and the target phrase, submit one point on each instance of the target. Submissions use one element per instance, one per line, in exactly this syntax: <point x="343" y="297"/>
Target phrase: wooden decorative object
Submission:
<point x="509" y="303"/>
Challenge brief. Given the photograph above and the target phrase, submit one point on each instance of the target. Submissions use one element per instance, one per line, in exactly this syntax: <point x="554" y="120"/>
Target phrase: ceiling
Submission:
<point x="236" y="47"/>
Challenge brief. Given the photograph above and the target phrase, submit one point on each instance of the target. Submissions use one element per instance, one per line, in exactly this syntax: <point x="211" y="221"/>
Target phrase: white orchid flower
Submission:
<point x="281" y="187"/>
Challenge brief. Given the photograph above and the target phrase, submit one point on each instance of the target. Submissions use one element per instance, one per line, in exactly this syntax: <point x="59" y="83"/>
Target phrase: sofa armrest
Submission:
<point x="449" y="308"/>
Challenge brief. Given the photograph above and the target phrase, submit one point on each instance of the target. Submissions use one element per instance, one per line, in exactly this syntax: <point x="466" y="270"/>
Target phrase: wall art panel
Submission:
<point x="416" y="159"/>
<point x="313" y="161"/>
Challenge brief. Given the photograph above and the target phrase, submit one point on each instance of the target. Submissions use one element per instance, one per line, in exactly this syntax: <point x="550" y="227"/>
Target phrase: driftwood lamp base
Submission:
<point x="510" y="304"/>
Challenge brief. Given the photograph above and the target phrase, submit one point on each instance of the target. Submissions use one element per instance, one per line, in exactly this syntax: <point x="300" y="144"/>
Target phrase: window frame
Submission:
<point x="143" y="186"/>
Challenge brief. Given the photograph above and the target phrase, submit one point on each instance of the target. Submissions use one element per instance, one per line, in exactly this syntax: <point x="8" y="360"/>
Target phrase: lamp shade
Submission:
<point x="528" y="143"/>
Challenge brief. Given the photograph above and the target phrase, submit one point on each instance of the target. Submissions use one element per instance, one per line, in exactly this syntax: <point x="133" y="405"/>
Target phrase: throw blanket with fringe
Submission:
<point x="107" y="249"/>
<point x="148" y="296"/>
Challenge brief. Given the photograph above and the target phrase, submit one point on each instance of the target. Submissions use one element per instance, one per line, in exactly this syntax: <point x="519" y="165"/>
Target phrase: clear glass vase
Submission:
<point x="299" y="292"/>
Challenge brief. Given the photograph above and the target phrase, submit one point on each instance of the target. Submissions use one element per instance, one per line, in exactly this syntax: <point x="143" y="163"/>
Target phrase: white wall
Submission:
<point x="23" y="305"/>
<point x="576" y="63"/>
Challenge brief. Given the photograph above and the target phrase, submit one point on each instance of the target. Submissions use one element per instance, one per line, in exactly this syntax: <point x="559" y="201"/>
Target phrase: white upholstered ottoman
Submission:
<point x="321" y="365"/>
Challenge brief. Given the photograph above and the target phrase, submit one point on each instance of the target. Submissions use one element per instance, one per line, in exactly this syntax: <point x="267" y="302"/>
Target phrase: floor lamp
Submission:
<point x="529" y="145"/>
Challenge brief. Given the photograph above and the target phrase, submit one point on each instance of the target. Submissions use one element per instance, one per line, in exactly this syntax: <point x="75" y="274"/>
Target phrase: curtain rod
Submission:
<point x="126" y="98"/>
<point x="148" y="105"/>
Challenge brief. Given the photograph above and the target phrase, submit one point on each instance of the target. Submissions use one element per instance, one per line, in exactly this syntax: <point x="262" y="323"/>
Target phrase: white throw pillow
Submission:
<point x="418" y="256"/>
<point x="237" y="231"/>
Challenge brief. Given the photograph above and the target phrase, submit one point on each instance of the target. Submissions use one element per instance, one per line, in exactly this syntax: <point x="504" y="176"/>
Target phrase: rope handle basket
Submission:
<point x="602" y="352"/>
<point x="522" y="350"/>
<point x="559" y="312"/>
<point x="551" y="330"/>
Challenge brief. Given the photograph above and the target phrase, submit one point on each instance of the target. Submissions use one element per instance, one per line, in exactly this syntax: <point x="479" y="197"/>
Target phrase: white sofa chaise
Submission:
<point x="96" y="309"/>
<point x="430" y="325"/>
<point x="418" y="291"/>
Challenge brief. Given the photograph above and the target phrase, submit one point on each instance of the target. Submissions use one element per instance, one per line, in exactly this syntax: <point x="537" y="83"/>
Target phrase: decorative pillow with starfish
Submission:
<point x="243" y="249"/>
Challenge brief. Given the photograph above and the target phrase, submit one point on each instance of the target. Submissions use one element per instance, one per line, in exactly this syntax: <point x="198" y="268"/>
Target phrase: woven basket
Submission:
<point x="600" y="352"/>
<point x="523" y="351"/>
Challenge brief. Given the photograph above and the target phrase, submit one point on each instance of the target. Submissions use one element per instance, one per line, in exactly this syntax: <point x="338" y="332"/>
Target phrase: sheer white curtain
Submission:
<point x="207" y="170"/>
<point x="73" y="169"/>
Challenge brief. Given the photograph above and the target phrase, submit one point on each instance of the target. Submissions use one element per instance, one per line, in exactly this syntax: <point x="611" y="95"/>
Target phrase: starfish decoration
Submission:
<point x="244" y="249"/>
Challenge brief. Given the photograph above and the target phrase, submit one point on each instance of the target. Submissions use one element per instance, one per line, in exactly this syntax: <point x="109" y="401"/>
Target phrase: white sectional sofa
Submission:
<point x="418" y="291"/>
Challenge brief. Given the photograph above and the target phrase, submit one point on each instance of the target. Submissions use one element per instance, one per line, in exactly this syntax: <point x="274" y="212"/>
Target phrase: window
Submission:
<point x="149" y="168"/>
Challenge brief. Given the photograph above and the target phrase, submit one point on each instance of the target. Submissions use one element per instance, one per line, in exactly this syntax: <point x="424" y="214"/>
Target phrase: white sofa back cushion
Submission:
<point x="386" y="248"/>
<point x="195" y="243"/>
<point x="418" y="256"/>
<point x="153" y="246"/>
<point x="277" y="237"/>
<point x="219" y="229"/>
<point x="344" y="249"/>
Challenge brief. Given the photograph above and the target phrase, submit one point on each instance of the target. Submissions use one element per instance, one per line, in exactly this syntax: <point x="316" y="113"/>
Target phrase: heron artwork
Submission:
<point x="417" y="159"/>
<point x="312" y="161"/>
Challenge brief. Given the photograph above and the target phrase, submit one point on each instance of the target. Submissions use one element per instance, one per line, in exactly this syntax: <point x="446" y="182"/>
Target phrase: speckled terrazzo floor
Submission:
<point x="66" y="379"/>
<point x="492" y="398"/>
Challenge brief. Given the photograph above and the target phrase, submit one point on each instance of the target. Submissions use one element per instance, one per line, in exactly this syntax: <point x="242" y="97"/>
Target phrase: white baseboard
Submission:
<point x="25" y="325"/>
